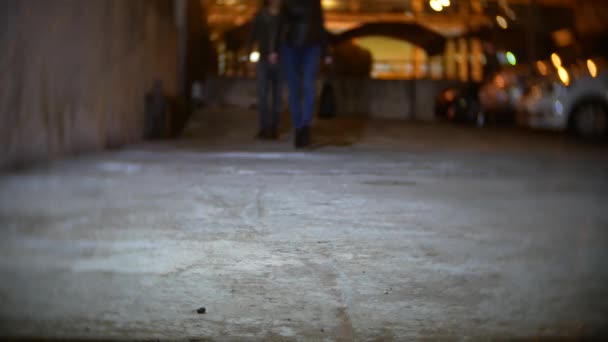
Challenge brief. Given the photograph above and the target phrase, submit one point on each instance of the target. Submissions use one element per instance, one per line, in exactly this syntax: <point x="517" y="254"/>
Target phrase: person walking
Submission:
<point x="264" y="32"/>
<point x="302" y="41"/>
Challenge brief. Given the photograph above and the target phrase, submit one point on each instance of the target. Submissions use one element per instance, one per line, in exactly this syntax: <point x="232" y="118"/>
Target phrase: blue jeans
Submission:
<point x="268" y="79"/>
<point x="301" y="67"/>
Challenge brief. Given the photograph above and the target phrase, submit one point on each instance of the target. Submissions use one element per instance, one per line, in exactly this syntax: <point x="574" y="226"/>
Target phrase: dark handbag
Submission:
<point x="327" y="102"/>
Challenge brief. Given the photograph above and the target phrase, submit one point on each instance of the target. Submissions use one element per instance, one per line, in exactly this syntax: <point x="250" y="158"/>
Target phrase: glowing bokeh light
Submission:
<point x="563" y="75"/>
<point x="511" y="58"/>
<point x="557" y="61"/>
<point x="592" y="68"/>
<point x="436" y="5"/>
<point x="502" y="22"/>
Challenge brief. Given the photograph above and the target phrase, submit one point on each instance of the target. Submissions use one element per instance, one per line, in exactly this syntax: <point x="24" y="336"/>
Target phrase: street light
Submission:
<point x="557" y="62"/>
<point x="563" y="75"/>
<point x="502" y="22"/>
<point x="329" y="4"/>
<point x="254" y="57"/>
<point x="592" y="68"/>
<point x="436" y="5"/>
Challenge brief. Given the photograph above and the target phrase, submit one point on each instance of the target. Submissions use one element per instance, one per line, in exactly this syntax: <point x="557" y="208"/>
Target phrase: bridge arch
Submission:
<point x="432" y="42"/>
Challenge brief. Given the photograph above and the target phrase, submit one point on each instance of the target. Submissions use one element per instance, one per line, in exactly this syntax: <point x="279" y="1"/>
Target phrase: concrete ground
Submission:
<point x="385" y="231"/>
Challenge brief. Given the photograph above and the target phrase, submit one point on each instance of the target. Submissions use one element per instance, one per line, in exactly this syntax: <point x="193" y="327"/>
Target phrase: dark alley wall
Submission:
<point x="73" y="73"/>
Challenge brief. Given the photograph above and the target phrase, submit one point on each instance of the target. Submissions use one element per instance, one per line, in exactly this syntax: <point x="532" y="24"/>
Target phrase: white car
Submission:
<point x="586" y="106"/>
<point x="581" y="108"/>
<point x="539" y="106"/>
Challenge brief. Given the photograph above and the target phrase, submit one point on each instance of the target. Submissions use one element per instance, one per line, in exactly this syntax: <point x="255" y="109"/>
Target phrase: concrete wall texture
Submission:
<point x="381" y="99"/>
<point x="397" y="100"/>
<point x="73" y="73"/>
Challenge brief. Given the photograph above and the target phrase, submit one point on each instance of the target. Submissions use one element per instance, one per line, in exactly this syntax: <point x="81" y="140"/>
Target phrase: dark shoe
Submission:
<point x="274" y="134"/>
<point x="306" y="136"/>
<point x="298" y="139"/>
<point x="302" y="137"/>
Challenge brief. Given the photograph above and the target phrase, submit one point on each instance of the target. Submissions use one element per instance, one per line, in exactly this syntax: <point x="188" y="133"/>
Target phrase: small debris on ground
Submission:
<point x="201" y="311"/>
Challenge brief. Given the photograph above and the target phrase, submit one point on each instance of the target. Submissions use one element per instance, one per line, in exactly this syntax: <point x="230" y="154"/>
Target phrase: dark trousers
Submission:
<point x="269" y="94"/>
<point x="301" y="67"/>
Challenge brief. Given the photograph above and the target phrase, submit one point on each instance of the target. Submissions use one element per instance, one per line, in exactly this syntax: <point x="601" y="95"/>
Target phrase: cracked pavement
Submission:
<point x="386" y="231"/>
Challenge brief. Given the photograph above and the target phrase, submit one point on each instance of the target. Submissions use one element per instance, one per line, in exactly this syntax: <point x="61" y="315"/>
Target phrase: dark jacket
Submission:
<point x="264" y="31"/>
<point x="303" y="24"/>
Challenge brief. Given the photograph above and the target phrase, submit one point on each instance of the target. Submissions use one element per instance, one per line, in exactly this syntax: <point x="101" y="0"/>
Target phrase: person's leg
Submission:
<point x="275" y="88"/>
<point x="262" y="91"/>
<point x="291" y="65"/>
<point x="311" y="60"/>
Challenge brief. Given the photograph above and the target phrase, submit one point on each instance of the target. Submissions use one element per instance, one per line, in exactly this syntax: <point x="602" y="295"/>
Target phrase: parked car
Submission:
<point x="459" y="104"/>
<point x="581" y="108"/>
<point x="537" y="106"/>
<point x="490" y="102"/>
<point x="499" y="97"/>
